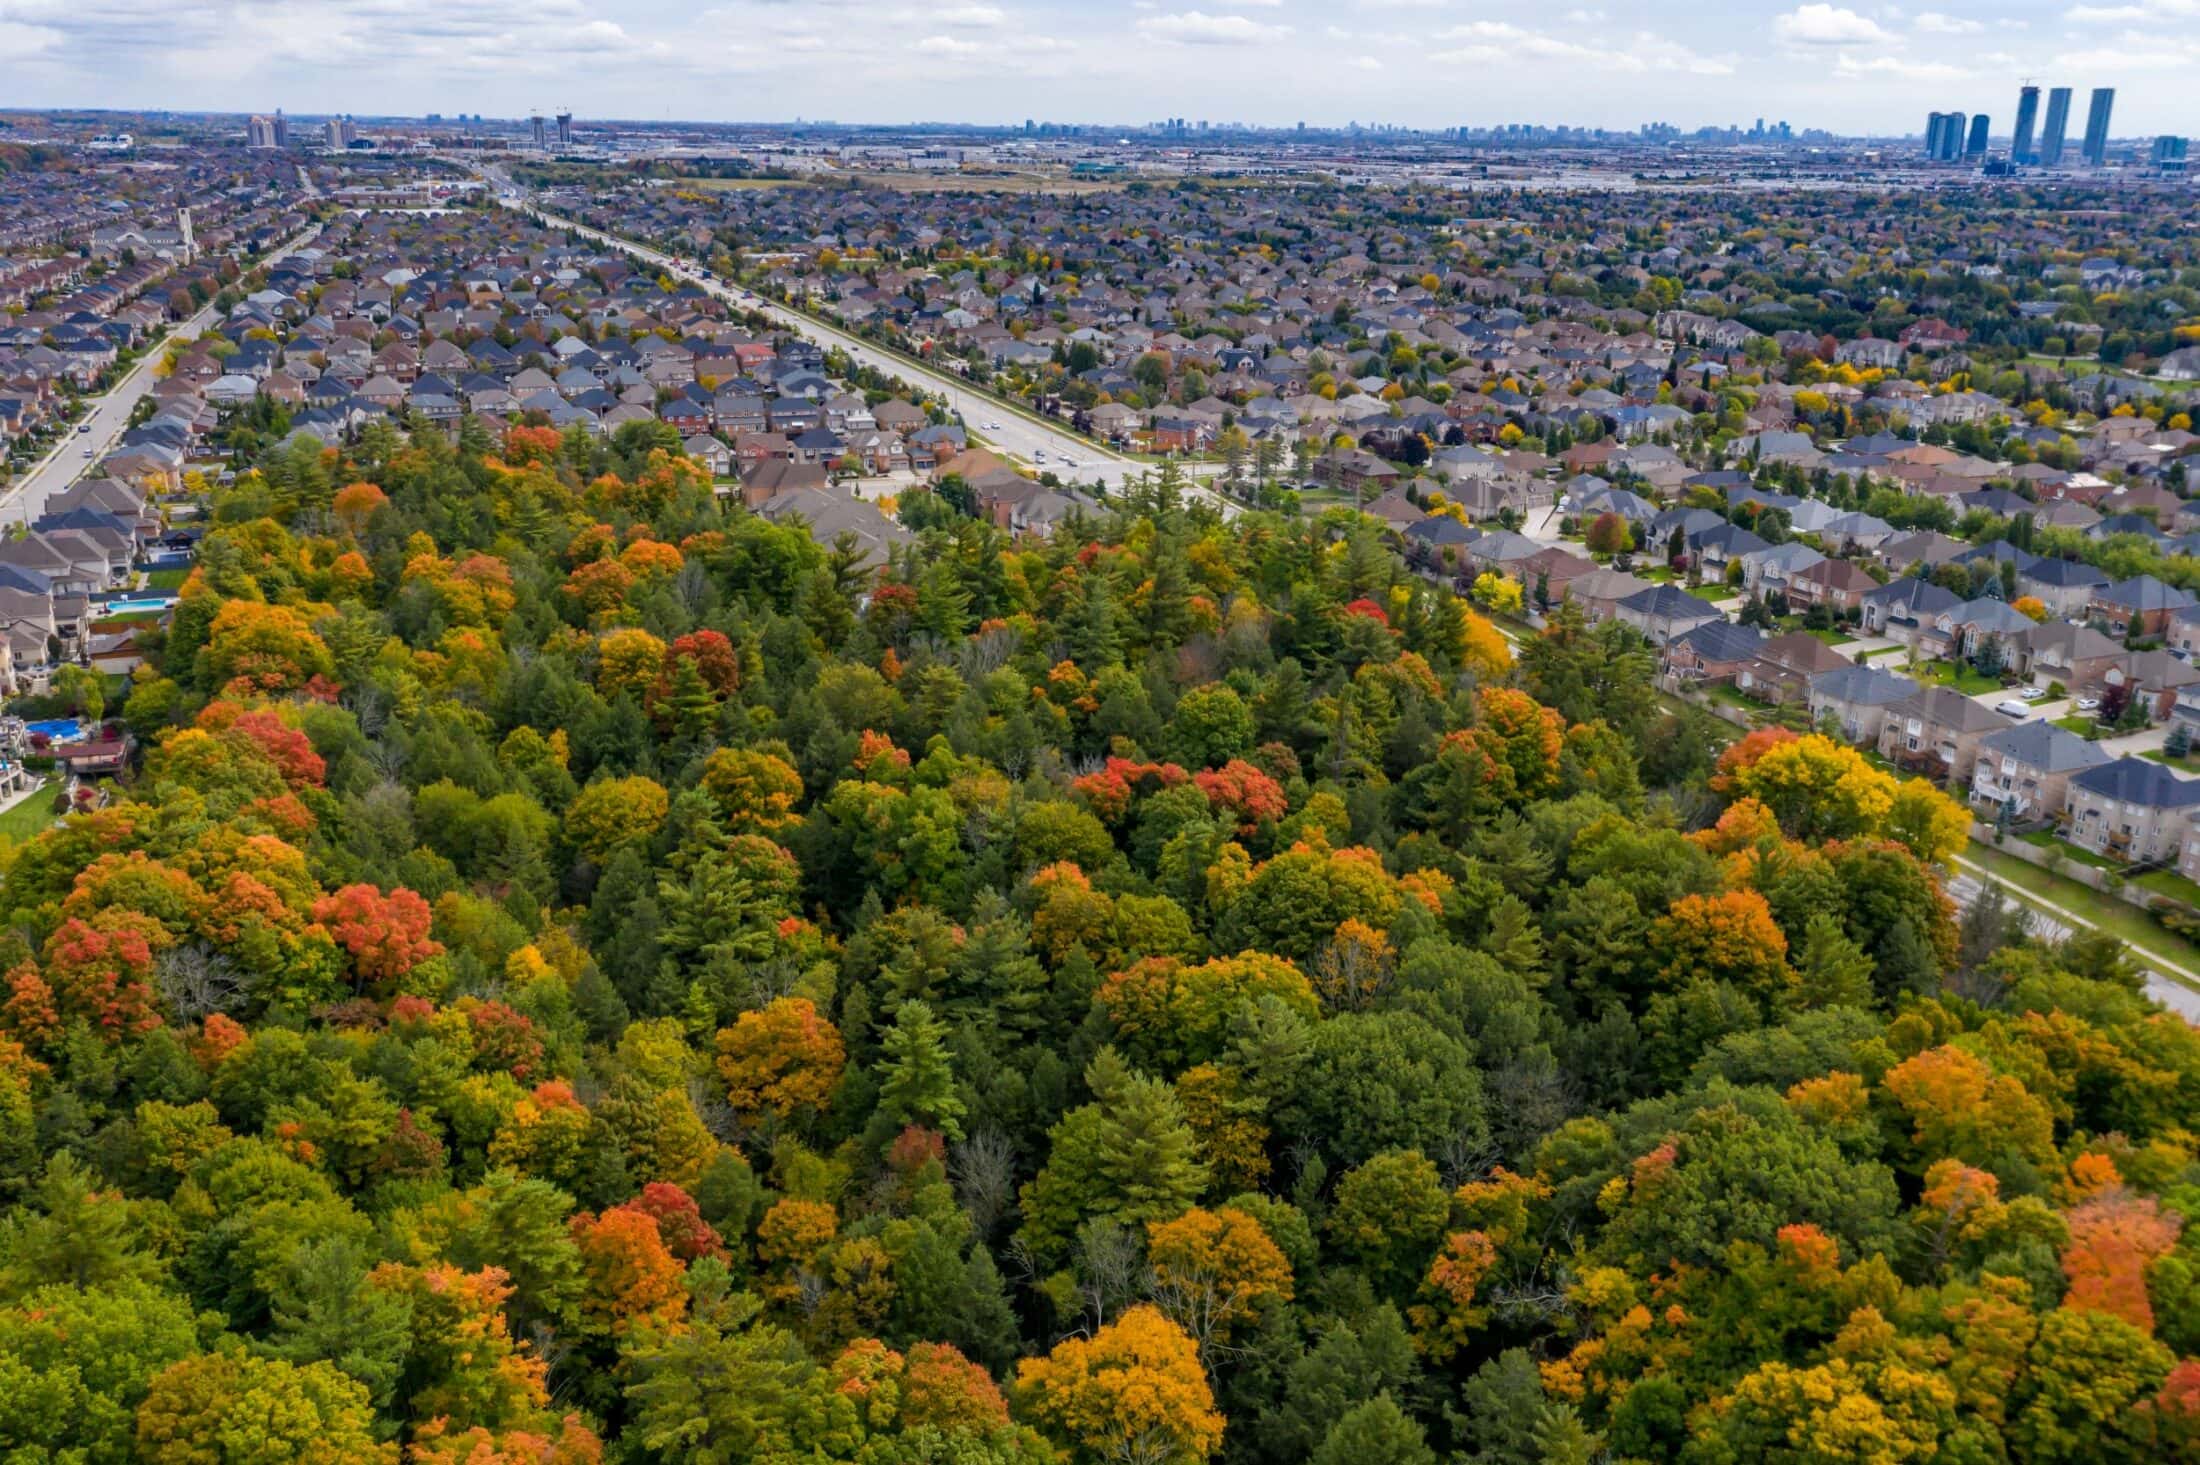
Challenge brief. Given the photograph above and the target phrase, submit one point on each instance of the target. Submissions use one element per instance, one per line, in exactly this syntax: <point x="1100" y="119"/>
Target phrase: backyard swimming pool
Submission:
<point x="58" y="729"/>
<point x="127" y="607"/>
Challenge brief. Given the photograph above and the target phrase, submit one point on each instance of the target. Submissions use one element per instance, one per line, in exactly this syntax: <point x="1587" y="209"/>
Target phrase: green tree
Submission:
<point x="916" y="1075"/>
<point x="1127" y="1157"/>
<point x="1376" y="1433"/>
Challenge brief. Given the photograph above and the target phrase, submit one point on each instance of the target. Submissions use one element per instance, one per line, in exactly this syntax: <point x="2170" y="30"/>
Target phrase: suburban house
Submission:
<point x="2131" y="809"/>
<point x="2184" y="630"/>
<point x="2077" y="656"/>
<point x="1353" y="471"/>
<point x="1857" y="699"/>
<point x="1975" y="626"/>
<point x="2063" y="586"/>
<point x="1838" y="585"/>
<point x="1771" y="568"/>
<point x="1713" y="654"/>
<point x="1601" y="593"/>
<point x="1901" y="609"/>
<point x="2154" y="679"/>
<point x="2141" y="605"/>
<point x="1936" y="732"/>
<point x="2029" y="766"/>
<point x="1662" y="612"/>
<point x="1782" y="670"/>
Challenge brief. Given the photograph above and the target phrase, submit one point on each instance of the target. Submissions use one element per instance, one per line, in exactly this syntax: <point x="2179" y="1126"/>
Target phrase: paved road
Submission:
<point x="25" y="498"/>
<point x="1024" y="438"/>
<point x="1963" y="888"/>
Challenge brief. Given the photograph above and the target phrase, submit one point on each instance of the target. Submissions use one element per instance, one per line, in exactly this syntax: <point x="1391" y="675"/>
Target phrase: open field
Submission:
<point x="1054" y="183"/>
<point x="731" y="185"/>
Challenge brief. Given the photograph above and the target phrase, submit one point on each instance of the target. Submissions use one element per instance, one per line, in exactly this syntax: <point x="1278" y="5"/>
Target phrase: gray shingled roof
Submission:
<point x="2044" y="746"/>
<point x="1864" y="684"/>
<point x="2139" y="781"/>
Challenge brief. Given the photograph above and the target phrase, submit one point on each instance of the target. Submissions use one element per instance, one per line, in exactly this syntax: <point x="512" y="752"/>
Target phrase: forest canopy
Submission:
<point x="583" y="972"/>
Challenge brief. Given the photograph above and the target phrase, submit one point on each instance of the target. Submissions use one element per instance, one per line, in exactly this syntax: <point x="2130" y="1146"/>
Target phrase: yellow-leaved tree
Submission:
<point x="1132" y="1391"/>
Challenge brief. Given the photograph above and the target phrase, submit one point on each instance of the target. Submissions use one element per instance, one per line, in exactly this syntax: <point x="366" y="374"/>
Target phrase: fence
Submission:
<point x="2109" y="882"/>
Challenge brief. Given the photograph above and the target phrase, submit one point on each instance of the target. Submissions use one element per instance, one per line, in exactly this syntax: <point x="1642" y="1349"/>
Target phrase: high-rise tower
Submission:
<point x="2028" y="113"/>
<point x="2096" y="126"/>
<point x="2058" y="125"/>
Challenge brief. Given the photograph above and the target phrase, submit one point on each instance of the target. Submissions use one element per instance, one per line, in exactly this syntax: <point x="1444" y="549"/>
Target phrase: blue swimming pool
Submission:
<point x="59" y="729"/>
<point x="125" y="607"/>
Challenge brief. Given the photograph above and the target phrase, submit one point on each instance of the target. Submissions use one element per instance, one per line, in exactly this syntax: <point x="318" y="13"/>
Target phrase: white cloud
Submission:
<point x="1934" y="23"/>
<point x="1644" y="51"/>
<point x="947" y="46"/>
<point x="2135" y="51"/>
<point x="1197" y="28"/>
<point x="1367" y="63"/>
<point x="1897" y="66"/>
<point x="970" y="15"/>
<point x="1827" y="25"/>
<point x="2141" y="10"/>
<point x="21" y="42"/>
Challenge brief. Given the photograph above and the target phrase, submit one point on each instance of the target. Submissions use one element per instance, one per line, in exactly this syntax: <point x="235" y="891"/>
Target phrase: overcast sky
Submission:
<point x="1413" y="62"/>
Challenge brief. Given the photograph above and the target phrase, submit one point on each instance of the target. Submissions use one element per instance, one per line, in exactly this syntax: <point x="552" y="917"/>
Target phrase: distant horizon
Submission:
<point x="1851" y="70"/>
<point x="1215" y="127"/>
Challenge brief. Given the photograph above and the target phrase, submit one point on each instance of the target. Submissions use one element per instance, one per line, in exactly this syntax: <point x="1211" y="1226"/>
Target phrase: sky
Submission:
<point x="1422" y="63"/>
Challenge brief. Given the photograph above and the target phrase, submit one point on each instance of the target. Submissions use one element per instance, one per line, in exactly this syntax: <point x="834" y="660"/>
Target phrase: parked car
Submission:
<point x="2087" y="704"/>
<point x="2013" y="708"/>
<point x="2033" y="694"/>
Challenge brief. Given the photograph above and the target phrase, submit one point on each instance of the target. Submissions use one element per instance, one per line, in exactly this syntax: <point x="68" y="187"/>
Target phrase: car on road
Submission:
<point x="83" y="427"/>
<point x="88" y="452"/>
<point x="2013" y="708"/>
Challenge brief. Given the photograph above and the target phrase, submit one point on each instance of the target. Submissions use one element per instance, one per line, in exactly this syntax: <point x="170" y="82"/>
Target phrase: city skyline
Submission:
<point x="1850" y="70"/>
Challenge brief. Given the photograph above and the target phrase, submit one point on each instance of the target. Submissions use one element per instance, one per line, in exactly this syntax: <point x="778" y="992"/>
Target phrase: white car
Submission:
<point x="2012" y="708"/>
<point x="2087" y="704"/>
<point x="2032" y="694"/>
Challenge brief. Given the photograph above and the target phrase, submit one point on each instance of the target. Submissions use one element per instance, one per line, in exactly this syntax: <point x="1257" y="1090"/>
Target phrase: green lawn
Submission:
<point x="2171" y="884"/>
<point x="2046" y="839"/>
<point x="1734" y="697"/>
<point x="169" y="580"/>
<point x="2127" y="923"/>
<point x="29" y="817"/>
<point x="1712" y="592"/>
<point x="1884" y="651"/>
<point x="2084" y="727"/>
<point x="1964" y="678"/>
